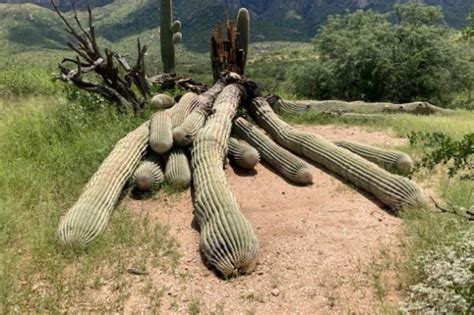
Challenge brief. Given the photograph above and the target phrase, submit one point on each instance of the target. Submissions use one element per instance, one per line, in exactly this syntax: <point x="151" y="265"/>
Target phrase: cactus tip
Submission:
<point x="305" y="176"/>
<point x="405" y="164"/>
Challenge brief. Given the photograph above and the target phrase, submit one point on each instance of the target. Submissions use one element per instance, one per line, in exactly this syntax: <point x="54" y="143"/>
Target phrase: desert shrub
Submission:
<point x="407" y="55"/>
<point x="439" y="148"/>
<point x="448" y="279"/>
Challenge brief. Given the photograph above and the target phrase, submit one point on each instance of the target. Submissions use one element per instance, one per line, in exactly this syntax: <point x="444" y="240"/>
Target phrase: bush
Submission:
<point x="18" y="81"/>
<point x="448" y="284"/>
<point x="363" y="56"/>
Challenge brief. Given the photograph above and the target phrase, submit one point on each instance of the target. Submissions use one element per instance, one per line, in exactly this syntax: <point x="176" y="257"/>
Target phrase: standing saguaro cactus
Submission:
<point x="169" y="36"/>
<point x="243" y="33"/>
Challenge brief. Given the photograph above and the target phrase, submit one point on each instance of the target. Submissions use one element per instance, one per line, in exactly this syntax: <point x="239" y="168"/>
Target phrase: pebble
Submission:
<point x="275" y="292"/>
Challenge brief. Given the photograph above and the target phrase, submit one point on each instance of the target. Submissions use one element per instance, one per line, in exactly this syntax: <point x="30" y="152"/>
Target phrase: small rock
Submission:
<point x="275" y="292"/>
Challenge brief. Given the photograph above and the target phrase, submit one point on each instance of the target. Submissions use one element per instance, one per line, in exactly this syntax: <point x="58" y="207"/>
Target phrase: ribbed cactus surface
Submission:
<point x="162" y="101"/>
<point x="227" y="239"/>
<point x="178" y="171"/>
<point x="90" y="214"/>
<point x="286" y="163"/>
<point x="161" y="137"/>
<point x="395" y="191"/>
<point x="393" y="161"/>
<point x="244" y="155"/>
<point x="185" y="106"/>
<point x="184" y="134"/>
<point x="148" y="176"/>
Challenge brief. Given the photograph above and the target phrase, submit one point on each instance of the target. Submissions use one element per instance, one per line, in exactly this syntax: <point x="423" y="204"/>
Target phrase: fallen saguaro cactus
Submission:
<point x="227" y="239"/>
<point x="357" y="107"/>
<point x="90" y="214"/>
<point x="178" y="171"/>
<point x="286" y="163"/>
<point x="148" y="176"/>
<point x="185" y="133"/>
<point x="396" y="192"/>
<point x="393" y="161"/>
<point x="244" y="155"/>
<point x="161" y="137"/>
<point x="162" y="101"/>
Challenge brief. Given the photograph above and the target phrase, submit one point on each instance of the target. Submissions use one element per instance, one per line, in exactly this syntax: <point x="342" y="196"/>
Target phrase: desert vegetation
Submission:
<point x="106" y="130"/>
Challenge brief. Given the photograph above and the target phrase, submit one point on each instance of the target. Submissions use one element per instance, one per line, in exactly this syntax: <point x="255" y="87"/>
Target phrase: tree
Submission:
<point x="407" y="55"/>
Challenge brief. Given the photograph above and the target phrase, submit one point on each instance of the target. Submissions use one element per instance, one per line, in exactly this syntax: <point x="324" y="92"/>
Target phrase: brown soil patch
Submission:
<point x="318" y="246"/>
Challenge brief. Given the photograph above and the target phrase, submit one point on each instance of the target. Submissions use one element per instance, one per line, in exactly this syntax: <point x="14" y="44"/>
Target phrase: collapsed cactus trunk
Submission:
<point x="148" y="176"/>
<point x="357" y="107"/>
<point x="184" y="134"/>
<point x="178" y="171"/>
<point x="90" y="214"/>
<point x="393" y="161"/>
<point x="396" y="192"/>
<point x="244" y="155"/>
<point x="286" y="163"/>
<point x="228" y="241"/>
<point x="185" y="106"/>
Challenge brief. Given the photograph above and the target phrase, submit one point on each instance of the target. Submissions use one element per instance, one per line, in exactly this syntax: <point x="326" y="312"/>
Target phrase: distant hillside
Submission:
<point x="271" y="19"/>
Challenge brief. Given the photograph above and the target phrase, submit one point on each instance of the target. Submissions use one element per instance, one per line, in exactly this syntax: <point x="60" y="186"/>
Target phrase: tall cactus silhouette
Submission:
<point x="169" y="36"/>
<point x="397" y="192"/>
<point x="89" y="216"/>
<point x="228" y="241"/>
<point x="243" y="30"/>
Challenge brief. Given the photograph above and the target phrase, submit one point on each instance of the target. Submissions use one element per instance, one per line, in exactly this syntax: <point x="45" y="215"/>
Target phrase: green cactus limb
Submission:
<point x="244" y="155"/>
<point x="393" y="161"/>
<point x="176" y="27"/>
<point x="148" y="176"/>
<point x="286" y="163"/>
<point x="243" y="30"/>
<point x="396" y="192"/>
<point x="228" y="241"/>
<point x="169" y="36"/>
<point x="183" y="108"/>
<point x="178" y="171"/>
<point x="161" y="137"/>
<point x="184" y="134"/>
<point x="90" y="214"/>
<point x="162" y="101"/>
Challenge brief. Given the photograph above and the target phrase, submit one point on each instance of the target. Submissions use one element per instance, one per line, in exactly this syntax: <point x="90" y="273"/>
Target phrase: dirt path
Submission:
<point x="318" y="244"/>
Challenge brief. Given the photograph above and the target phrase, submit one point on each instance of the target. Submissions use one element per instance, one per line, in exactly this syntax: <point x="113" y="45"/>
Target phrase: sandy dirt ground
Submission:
<point x="318" y="245"/>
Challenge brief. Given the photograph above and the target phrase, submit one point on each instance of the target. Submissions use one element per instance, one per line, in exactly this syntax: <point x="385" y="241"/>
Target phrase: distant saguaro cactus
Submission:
<point x="169" y="36"/>
<point x="243" y="30"/>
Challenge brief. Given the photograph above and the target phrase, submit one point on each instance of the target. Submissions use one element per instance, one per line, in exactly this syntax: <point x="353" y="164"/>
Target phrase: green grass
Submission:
<point x="49" y="151"/>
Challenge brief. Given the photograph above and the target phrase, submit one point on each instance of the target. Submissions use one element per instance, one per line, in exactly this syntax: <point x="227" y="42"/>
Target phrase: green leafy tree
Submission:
<point x="406" y="55"/>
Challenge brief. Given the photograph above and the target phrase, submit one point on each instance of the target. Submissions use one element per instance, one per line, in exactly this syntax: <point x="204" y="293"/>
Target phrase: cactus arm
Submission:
<point x="178" y="171"/>
<point x="243" y="30"/>
<point x="162" y="101"/>
<point x="244" y="155"/>
<point x="90" y="214"/>
<point x="393" y="161"/>
<point x="148" y="176"/>
<point x="227" y="239"/>
<point x="185" y="106"/>
<point x="396" y="192"/>
<point x="286" y="163"/>
<point x="161" y="138"/>
<point x="184" y="134"/>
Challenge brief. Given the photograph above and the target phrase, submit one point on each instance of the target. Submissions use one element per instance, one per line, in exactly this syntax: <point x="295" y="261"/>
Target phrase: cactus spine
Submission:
<point x="161" y="138"/>
<point x="244" y="155"/>
<point x="286" y="163"/>
<point x="90" y="214"/>
<point x="393" y="161"/>
<point x="395" y="191"/>
<point x="185" y="133"/>
<point x="178" y="171"/>
<point x="243" y="30"/>
<point x="162" y="101"/>
<point x="227" y="239"/>
<point x="148" y="176"/>
<point x="169" y="36"/>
